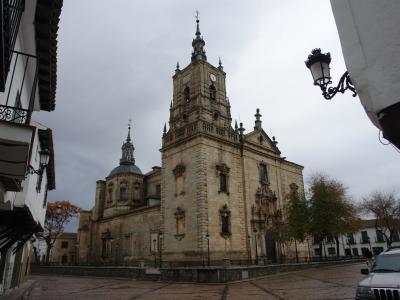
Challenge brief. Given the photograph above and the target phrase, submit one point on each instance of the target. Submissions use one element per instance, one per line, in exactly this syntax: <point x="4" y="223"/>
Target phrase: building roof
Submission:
<point x="126" y="169"/>
<point x="367" y="223"/>
<point x="46" y="28"/>
<point x="68" y="235"/>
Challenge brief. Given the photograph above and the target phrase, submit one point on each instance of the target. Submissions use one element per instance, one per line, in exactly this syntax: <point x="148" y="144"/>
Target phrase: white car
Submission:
<point x="383" y="281"/>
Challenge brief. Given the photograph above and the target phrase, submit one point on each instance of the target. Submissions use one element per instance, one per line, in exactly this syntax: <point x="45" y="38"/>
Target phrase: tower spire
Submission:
<point x="128" y="138"/>
<point x="198" y="43"/>
<point x="258" y="120"/>
<point x="127" y="149"/>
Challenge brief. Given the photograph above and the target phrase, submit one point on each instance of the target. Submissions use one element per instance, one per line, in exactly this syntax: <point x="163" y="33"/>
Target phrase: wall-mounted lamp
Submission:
<point x="318" y="63"/>
<point x="44" y="161"/>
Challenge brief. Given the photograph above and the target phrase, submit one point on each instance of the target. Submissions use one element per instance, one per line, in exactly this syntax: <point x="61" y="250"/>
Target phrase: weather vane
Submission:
<point x="197" y="15"/>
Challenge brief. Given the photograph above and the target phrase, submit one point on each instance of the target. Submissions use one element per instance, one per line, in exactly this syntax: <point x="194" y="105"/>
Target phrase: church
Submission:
<point x="218" y="196"/>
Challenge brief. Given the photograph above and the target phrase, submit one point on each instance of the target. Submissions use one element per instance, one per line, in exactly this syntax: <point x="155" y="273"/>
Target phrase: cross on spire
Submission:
<point x="198" y="43"/>
<point x="128" y="139"/>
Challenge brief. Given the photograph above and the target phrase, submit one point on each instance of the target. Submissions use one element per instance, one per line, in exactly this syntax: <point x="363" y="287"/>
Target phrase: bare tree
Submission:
<point x="58" y="214"/>
<point x="385" y="208"/>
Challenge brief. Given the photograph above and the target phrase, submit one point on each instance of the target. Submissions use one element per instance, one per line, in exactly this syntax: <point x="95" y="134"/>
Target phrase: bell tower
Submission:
<point x="200" y="152"/>
<point x="199" y="91"/>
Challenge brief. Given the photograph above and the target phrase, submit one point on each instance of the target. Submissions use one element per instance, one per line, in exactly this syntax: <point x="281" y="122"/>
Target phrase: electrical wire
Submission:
<point x="388" y="143"/>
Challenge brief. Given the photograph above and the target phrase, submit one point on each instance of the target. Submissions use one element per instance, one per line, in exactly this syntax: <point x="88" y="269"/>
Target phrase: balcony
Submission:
<point x="10" y="18"/>
<point x="15" y="150"/>
<point x="364" y="241"/>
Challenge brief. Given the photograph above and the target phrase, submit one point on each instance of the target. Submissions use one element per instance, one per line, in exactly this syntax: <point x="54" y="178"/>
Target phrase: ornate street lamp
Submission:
<point x="155" y="253"/>
<point x="43" y="162"/>
<point x="318" y="63"/>
<point x="160" y="237"/>
<point x="255" y="238"/>
<point x="208" y="248"/>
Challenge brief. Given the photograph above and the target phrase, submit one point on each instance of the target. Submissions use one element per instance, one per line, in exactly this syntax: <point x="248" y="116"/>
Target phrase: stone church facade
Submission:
<point x="220" y="192"/>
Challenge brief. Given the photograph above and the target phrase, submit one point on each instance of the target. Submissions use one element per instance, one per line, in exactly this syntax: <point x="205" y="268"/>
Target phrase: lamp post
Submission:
<point x="160" y="237"/>
<point x="318" y="63"/>
<point x="155" y="253"/>
<point x="208" y="248"/>
<point x="249" y="251"/>
<point x="43" y="162"/>
<point x="255" y="239"/>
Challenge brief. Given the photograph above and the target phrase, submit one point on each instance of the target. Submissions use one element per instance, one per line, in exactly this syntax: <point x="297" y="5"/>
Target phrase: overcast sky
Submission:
<point x="116" y="60"/>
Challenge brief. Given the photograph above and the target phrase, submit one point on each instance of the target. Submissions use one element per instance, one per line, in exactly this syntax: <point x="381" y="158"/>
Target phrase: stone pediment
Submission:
<point x="261" y="138"/>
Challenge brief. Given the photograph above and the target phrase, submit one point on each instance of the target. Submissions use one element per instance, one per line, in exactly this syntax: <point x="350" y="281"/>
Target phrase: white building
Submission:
<point x="28" y="67"/>
<point x="356" y="244"/>
<point x="369" y="34"/>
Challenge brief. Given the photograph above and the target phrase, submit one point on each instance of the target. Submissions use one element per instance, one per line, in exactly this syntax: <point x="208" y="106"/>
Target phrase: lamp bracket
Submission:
<point x="344" y="84"/>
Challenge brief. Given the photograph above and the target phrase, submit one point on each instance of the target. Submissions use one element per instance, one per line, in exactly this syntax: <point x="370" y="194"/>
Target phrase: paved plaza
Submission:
<point x="335" y="282"/>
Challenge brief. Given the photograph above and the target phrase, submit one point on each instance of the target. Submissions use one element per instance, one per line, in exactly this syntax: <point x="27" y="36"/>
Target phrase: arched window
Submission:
<point x="186" y="93"/>
<point x="213" y="92"/>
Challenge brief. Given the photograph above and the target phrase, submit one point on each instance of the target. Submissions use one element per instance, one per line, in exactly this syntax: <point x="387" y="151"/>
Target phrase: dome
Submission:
<point x="123" y="169"/>
<point x="127" y="161"/>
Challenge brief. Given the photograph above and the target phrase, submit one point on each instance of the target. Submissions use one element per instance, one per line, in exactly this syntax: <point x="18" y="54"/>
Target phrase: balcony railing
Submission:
<point x="364" y="241"/>
<point x="14" y="114"/>
<point x="10" y="18"/>
<point x="20" y="89"/>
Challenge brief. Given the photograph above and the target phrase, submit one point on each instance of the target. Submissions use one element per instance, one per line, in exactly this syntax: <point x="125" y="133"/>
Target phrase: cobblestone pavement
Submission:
<point x="338" y="282"/>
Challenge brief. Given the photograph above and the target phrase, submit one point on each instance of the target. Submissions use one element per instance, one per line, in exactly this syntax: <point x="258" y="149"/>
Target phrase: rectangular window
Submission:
<point x="377" y="250"/>
<point x="104" y="248"/>
<point x="331" y="251"/>
<point x="64" y="244"/>
<point x="364" y="237"/>
<point x="123" y="193"/>
<point x="263" y="173"/>
<point x="128" y="245"/>
<point x="379" y="237"/>
<point x="355" y="251"/>
<point x="223" y="183"/>
<point x="364" y="250"/>
<point x="395" y="236"/>
<point x="350" y="239"/>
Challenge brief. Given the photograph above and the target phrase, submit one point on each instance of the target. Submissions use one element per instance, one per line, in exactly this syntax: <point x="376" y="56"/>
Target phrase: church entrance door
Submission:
<point x="270" y="245"/>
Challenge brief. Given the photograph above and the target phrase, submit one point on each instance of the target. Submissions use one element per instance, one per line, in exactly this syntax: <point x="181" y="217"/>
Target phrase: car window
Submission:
<point x="386" y="263"/>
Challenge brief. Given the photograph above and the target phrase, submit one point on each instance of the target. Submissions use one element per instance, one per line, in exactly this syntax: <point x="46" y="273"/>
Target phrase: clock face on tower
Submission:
<point x="213" y="77"/>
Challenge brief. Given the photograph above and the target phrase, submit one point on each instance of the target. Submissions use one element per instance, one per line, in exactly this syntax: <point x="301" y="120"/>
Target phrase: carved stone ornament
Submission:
<point x="179" y="170"/>
<point x="180" y="223"/>
<point x="265" y="195"/>
<point x="264" y="208"/>
<point x="223" y="168"/>
<point x="106" y="235"/>
<point x="179" y="213"/>
<point x="293" y="187"/>
<point x="225" y="215"/>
